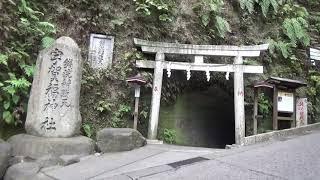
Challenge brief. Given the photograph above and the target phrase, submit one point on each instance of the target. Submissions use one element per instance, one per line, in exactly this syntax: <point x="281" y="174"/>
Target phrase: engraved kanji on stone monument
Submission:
<point x="53" y="108"/>
<point x="100" y="51"/>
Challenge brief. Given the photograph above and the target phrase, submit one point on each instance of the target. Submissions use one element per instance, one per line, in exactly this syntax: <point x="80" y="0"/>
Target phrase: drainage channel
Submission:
<point x="178" y="164"/>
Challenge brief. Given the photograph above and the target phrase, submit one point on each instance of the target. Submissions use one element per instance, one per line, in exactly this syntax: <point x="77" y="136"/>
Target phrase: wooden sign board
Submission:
<point x="101" y="51"/>
<point x="285" y="102"/>
<point x="302" y="112"/>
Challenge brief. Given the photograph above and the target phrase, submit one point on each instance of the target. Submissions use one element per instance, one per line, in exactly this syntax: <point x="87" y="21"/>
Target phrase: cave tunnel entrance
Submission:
<point x="201" y="116"/>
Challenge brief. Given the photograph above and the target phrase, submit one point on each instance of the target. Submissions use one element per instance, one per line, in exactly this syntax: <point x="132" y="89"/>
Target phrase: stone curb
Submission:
<point x="154" y="141"/>
<point x="281" y="133"/>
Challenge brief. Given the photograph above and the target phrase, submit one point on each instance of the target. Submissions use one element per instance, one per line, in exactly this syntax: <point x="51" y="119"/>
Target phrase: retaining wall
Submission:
<point x="281" y="133"/>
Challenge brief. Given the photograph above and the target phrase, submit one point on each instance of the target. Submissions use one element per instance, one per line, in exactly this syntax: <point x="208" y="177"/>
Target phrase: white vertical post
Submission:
<point x="156" y="96"/>
<point x="136" y="106"/>
<point x="239" y="101"/>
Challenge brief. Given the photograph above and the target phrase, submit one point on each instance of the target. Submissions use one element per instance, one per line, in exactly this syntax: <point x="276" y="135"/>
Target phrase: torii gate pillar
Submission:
<point x="239" y="102"/>
<point x="156" y="96"/>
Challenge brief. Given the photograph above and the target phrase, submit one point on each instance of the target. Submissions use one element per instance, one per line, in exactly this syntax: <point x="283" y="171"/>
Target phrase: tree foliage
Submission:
<point x="21" y="33"/>
<point x="209" y="11"/>
<point x="160" y="8"/>
<point x="265" y="5"/>
<point x="281" y="47"/>
<point x="296" y="30"/>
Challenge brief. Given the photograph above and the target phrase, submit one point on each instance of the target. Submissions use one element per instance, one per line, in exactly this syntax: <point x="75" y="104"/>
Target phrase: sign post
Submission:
<point x="137" y="81"/>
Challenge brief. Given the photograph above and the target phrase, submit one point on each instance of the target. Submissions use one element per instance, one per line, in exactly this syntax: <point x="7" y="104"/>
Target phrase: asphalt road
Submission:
<point x="294" y="158"/>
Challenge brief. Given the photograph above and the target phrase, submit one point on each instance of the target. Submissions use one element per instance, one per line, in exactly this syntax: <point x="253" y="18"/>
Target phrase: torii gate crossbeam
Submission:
<point x="238" y="52"/>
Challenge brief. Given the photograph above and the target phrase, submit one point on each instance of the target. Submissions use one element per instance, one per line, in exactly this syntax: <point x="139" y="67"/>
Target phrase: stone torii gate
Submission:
<point x="198" y="51"/>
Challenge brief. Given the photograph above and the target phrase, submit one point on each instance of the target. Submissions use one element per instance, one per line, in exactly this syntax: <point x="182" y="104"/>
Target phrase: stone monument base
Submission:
<point x="36" y="147"/>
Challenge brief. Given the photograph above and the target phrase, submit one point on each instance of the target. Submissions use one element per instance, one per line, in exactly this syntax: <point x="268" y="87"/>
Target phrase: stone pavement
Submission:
<point x="287" y="158"/>
<point x="291" y="158"/>
<point x="112" y="164"/>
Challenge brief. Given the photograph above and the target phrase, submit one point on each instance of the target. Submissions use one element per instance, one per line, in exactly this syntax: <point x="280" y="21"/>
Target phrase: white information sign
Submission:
<point x="302" y="112"/>
<point x="101" y="51"/>
<point x="285" y="101"/>
<point x="314" y="55"/>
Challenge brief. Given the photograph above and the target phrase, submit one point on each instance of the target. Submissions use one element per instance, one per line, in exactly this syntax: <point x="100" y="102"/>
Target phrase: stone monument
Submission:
<point x="53" y="108"/>
<point x="53" y="120"/>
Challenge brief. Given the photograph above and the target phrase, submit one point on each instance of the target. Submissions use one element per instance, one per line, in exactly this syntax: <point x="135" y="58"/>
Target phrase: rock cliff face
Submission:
<point x="121" y="19"/>
<point x="104" y="94"/>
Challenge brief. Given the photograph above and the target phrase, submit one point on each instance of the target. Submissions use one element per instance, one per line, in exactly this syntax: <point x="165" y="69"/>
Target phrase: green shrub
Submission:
<point x="265" y="109"/>
<point x="265" y="5"/>
<point x="168" y="136"/>
<point x="210" y="14"/>
<point x="88" y="131"/>
<point x="280" y="47"/>
<point x="163" y="9"/>
<point x="23" y="31"/>
<point x="296" y="30"/>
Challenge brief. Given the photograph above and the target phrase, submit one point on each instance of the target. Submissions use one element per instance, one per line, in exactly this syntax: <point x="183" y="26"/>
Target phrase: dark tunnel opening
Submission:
<point x="201" y="117"/>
